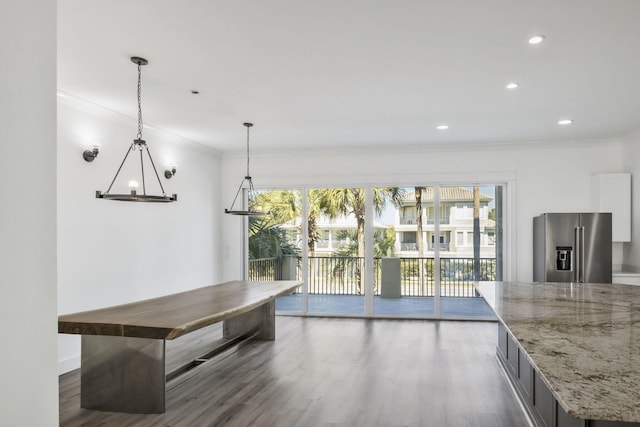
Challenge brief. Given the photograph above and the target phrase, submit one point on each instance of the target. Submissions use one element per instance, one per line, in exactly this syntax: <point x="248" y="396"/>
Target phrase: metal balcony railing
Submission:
<point x="343" y="275"/>
<point x="265" y="269"/>
<point x="408" y="246"/>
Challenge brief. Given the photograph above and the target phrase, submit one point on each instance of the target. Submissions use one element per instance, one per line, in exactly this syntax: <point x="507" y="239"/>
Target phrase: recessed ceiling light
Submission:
<point x="512" y="85"/>
<point x="565" y="122"/>
<point x="195" y="92"/>
<point x="536" y="39"/>
<point x="442" y="127"/>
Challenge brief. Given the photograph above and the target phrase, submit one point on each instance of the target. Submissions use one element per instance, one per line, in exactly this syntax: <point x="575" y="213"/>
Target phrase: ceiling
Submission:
<point x="358" y="73"/>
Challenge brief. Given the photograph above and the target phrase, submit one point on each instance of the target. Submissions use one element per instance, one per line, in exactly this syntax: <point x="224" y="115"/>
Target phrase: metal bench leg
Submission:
<point x="262" y="319"/>
<point x="123" y="374"/>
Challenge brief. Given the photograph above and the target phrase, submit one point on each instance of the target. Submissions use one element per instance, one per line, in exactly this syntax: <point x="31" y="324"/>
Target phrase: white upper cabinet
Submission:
<point x="611" y="192"/>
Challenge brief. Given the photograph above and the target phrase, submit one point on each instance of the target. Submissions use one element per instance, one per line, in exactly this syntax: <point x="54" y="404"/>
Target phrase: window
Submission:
<point x="408" y="215"/>
<point x="491" y="238"/>
<point x="445" y="213"/>
<point x="326" y="250"/>
<point x="464" y="211"/>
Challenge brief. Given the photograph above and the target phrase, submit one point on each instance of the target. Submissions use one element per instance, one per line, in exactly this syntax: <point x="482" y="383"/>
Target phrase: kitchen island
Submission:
<point x="571" y="350"/>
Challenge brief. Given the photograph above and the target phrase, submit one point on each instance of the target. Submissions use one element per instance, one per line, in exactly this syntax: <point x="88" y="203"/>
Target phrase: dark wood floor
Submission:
<point x="335" y="372"/>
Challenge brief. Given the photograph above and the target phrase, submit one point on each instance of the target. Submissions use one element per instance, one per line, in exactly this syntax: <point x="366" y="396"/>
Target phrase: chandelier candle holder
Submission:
<point x="247" y="183"/>
<point x="139" y="145"/>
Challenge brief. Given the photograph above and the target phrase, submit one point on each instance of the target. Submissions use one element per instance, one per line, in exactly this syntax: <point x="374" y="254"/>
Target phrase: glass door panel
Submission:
<point x="429" y="243"/>
<point x="404" y="262"/>
<point x="467" y="244"/>
<point x="335" y="270"/>
<point x="274" y="243"/>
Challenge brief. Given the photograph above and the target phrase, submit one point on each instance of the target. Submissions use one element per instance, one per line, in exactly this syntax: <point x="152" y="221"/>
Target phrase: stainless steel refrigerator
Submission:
<point x="572" y="247"/>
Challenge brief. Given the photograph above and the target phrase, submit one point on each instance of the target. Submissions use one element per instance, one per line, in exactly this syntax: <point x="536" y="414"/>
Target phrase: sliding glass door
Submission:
<point x="411" y="251"/>
<point x="404" y="262"/>
<point x="274" y="243"/>
<point x="467" y="243"/>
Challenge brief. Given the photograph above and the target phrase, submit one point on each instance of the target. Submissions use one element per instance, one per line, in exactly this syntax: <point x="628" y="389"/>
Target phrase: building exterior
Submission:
<point x="456" y="224"/>
<point x="334" y="234"/>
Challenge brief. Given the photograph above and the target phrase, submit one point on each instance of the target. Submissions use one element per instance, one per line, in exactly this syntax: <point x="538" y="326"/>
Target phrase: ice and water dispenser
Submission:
<point x="572" y="247"/>
<point x="563" y="258"/>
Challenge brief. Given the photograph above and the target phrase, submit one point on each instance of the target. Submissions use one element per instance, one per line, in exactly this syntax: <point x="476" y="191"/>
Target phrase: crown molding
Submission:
<point x="123" y="119"/>
<point x="631" y="137"/>
<point x="430" y="148"/>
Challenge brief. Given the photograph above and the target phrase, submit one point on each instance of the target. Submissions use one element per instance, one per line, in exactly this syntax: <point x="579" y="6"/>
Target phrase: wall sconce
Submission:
<point x="90" y="155"/>
<point x="170" y="172"/>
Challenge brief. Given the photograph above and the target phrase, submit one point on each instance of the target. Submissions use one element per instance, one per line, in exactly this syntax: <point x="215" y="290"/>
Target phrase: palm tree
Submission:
<point x="336" y="202"/>
<point x="476" y="232"/>
<point x="286" y="206"/>
<point x="418" y="195"/>
<point x="267" y="238"/>
<point x="314" y="211"/>
<point x="383" y="245"/>
<point x="268" y="241"/>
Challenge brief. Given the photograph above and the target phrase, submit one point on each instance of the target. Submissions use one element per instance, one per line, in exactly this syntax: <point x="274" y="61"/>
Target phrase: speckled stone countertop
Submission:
<point x="583" y="338"/>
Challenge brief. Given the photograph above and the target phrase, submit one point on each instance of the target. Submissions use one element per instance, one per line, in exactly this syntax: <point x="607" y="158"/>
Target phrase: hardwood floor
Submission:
<point x="335" y="372"/>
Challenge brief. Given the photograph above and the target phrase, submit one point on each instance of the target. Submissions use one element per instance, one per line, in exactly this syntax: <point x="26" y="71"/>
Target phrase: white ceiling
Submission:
<point x="358" y="73"/>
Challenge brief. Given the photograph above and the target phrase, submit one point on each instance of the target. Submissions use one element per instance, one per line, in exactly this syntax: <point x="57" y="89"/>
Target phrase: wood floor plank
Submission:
<point x="336" y="372"/>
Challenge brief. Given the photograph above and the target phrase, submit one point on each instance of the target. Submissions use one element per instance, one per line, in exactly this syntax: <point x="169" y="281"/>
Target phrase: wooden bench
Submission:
<point x="123" y="347"/>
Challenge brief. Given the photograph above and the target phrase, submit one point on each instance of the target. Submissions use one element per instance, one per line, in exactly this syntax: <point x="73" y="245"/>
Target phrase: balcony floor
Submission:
<point x="353" y="305"/>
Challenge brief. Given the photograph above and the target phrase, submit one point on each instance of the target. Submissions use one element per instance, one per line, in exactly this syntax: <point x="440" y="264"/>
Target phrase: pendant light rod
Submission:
<point x="140" y="62"/>
<point x="140" y="145"/>
<point x="250" y="188"/>
<point x="248" y="125"/>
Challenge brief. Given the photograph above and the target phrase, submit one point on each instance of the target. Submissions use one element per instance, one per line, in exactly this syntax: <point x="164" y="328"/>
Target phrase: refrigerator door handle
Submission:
<point x="579" y="240"/>
<point x="583" y="261"/>
<point x="576" y="240"/>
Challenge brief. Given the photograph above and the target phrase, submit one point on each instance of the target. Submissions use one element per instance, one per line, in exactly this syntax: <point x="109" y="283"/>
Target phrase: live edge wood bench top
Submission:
<point x="171" y="316"/>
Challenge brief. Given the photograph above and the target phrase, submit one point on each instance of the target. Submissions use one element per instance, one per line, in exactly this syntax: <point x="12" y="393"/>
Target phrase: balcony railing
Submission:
<point x="343" y="275"/>
<point x="407" y="221"/>
<point x="265" y="269"/>
<point x="443" y="246"/>
<point x="408" y="246"/>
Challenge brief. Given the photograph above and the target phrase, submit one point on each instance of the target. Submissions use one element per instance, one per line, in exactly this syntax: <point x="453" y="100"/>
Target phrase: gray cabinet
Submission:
<point x="538" y="400"/>
<point x="525" y="377"/>
<point x="512" y="355"/>
<point x="543" y="402"/>
<point x="502" y="341"/>
<point x="566" y="420"/>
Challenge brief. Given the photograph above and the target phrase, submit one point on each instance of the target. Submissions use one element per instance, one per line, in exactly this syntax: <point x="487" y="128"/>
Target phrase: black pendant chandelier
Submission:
<point x="139" y="145"/>
<point x="251" y="210"/>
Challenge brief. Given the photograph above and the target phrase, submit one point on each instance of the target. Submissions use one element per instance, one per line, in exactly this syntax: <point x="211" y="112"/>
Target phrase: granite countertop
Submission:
<point x="583" y="338"/>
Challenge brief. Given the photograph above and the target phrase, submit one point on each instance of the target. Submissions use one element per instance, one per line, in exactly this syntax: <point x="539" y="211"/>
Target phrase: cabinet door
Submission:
<point x="566" y="420"/>
<point x="611" y="192"/>
<point x="525" y="377"/>
<point x="543" y="402"/>
<point x="502" y="341"/>
<point x="512" y="355"/>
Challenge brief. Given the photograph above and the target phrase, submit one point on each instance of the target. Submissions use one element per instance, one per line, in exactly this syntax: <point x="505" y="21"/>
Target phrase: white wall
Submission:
<point x="631" y="154"/>
<point x="29" y="385"/>
<point x="542" y="177"/>
<point x="112" y="252"/>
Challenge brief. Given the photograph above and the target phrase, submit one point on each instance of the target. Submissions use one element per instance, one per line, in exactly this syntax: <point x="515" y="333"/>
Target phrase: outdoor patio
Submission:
<point x="353" y="305"/>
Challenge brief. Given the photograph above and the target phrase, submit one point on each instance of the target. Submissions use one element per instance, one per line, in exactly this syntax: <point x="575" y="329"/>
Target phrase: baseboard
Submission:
<point x="68" y="365"/>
